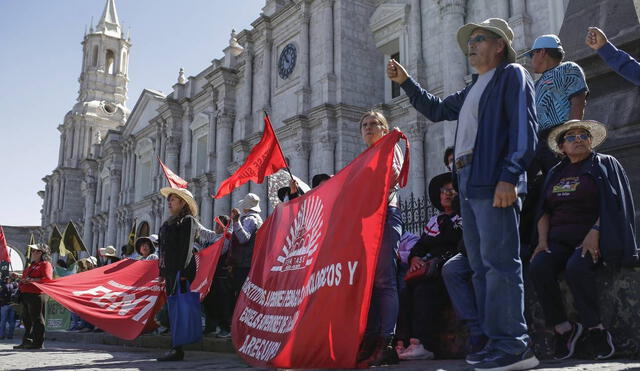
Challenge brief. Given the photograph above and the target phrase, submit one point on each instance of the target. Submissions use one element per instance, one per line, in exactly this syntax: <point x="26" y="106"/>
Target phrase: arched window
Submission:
<point x="110" y="62"/>
<point x="95" y="56"/>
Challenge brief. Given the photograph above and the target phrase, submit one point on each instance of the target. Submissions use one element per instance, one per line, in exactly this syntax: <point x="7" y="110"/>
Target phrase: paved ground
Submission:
<point x="61" y="356"/>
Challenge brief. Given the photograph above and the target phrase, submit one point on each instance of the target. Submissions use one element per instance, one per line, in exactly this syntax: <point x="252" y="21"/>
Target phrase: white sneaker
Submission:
<point x="416" y="351"/>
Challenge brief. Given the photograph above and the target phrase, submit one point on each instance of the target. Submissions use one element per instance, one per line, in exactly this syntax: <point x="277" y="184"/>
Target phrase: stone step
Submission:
<point x="208" y="344"/>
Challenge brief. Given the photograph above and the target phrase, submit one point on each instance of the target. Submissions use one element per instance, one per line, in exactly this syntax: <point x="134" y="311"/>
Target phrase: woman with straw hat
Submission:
<point x="33" y="299"/>
<point x="585" y="219"/>
<point x="175" y="252"/>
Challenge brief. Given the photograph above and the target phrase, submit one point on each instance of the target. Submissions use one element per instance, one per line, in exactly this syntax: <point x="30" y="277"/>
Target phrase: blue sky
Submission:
<point x="40" y="62"/>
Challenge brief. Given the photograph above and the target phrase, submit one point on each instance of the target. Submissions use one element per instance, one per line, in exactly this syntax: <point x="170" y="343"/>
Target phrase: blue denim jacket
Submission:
<point x="507" y="126"/>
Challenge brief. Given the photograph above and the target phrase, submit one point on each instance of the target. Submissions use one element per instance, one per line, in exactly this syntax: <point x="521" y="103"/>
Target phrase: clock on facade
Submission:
<point x="287" y="61"/>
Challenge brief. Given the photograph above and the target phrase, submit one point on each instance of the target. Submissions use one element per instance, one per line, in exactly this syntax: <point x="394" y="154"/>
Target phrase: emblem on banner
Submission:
<point x="302" y="242"/>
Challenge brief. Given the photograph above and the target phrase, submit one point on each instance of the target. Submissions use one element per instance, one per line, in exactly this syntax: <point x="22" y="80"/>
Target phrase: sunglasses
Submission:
<point x="480" y="38"/>
<point x="531" y="53"/>
<point x="572" y="138"/>
<point x="448" y="191"/>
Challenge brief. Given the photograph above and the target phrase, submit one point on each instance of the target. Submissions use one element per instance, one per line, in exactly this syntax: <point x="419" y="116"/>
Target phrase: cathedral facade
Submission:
<point x="314" y="65"/>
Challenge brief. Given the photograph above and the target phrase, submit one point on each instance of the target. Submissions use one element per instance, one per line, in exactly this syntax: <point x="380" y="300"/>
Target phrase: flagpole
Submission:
<point x="279" y="147"/>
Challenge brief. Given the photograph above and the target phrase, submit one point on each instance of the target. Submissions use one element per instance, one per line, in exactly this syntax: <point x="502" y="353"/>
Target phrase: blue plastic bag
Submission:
<point x="185" y="316"/>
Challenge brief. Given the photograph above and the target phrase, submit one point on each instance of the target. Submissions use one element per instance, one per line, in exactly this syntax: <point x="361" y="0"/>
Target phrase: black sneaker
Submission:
<point x="501" y="361"/>
<point x="477" y="357"/>
<point x="601" y="344"/>
<point x="565" y="344"/>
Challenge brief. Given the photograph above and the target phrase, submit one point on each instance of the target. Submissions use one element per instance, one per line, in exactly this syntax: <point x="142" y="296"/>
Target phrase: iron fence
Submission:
<point x="416" y="212"/>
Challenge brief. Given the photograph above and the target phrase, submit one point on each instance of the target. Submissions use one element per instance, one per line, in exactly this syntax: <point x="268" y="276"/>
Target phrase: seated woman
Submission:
<point x="585" y="218"/>
<point x="424" y="299"/>
<point x="146" y="247"/>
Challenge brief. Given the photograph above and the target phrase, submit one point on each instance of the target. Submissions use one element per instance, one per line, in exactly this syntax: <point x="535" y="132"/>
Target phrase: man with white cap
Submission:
<point x="495" y="142"/>
<point x="245" y="226"/>
<point x="561" y="93"/>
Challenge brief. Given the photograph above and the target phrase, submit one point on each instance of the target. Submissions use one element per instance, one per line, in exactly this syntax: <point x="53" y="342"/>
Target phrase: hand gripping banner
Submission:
<point x="305" y="302"/>
<point x="120" y="298"/>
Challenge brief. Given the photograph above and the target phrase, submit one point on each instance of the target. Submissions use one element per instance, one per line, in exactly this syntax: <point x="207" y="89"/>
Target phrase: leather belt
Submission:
<point x="463" y="161"/>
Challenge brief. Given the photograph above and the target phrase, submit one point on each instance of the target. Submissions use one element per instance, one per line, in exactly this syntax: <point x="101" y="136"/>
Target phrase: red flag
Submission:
<point x="121" y="297"/>
<point x="5" y="256"/>
<point x="306" y="300"/>
<point x="265" y="159"/>
<point x="174" y="180"/>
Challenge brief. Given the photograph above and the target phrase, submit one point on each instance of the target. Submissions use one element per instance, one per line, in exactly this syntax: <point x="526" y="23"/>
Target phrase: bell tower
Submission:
<point x="100" y="107"/>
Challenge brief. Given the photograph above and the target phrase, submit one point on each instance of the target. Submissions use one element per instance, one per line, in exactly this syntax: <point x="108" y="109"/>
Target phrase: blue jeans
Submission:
<point x="8" y="319"/>
<point x="384" y="307"/>
<point x="457" y="274"/>
<point x="493" y="247"/>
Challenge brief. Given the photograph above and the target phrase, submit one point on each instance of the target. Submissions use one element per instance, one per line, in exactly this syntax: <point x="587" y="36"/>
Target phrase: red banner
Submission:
<point x="121" y="297"/>
<point x="264" y="159"/>
<point x="306" y="300"/>
<point x="174" y="180"/>
<point x="5" y="255"/>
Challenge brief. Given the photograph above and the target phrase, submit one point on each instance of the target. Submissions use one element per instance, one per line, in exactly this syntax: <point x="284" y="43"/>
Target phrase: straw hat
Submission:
<point x="184" y="194"/>
<point x="496" y="25"/>
<point x="251" y="202"/>
<point x="108" y="251"/>
<point x="596" y="129"/>
<point x="40" y="247"/>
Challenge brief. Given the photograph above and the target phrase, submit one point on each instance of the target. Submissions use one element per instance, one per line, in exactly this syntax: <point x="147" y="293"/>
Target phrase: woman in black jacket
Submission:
<point x="585" y="218"/>
<point x="424" y="298"/>
<point x="175" y="248"/>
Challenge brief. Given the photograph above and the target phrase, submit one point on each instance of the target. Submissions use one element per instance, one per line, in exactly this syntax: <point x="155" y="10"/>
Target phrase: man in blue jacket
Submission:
<point x="618" y="60"/>
<point x="495" y="142"/>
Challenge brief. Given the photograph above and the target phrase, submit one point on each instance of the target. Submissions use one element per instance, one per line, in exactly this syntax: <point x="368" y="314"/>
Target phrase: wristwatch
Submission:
<point x="596" y="227"/>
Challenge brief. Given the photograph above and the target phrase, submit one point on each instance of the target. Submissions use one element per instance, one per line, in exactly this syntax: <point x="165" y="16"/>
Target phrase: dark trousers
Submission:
<point x="33" y="318"/>
<point x="580" y="274"/>
<point x="238" y="276"/>
<point x="218" y="304"/>
<point x="421" y="308"/>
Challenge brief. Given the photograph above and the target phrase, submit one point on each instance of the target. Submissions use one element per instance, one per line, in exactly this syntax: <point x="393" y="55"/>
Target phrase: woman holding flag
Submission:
<point x="33" y="299"/>
<point x="377" y="345"/>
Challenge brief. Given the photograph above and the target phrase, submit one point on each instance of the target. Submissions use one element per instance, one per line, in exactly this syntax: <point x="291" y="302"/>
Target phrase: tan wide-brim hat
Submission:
<point x="250" y="202"/>
<point x="496" y="25"/>
<point x="184" y="194"/>
<point x="39" y="246"/>
<point x="108" y="251"/>
<point x="597" y="130"/>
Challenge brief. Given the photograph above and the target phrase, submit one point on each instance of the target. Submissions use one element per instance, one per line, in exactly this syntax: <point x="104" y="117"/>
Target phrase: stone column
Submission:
<point x="304" y="92"/>
<point x="266" y="74"/>
<point x="416" y="60"/>
<point x="125" y="172"/>
<point x="454" y="62"/>
<point x="206" y="212"/>
<point x="300" y="162"/>
<point x="246" y="128"/>
<point x="113" y="206"/>
<point x="328" y="81"/>
<point x="223" y="158"/>
<point x="101" y="234"/>
<point x="417" y="170"/>
<point x="185" y="156"/>
<point x="89" y="194"/>
<point x="520" y="22"/>
<point x="328" y="149"/>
